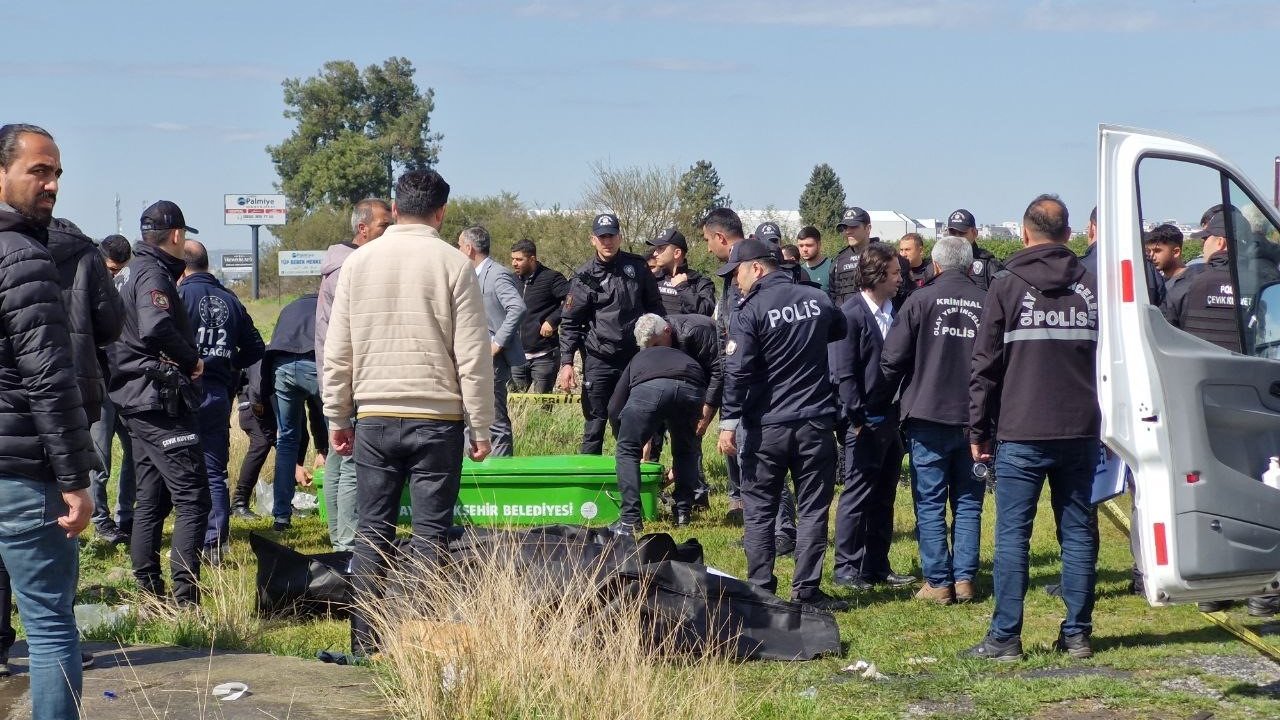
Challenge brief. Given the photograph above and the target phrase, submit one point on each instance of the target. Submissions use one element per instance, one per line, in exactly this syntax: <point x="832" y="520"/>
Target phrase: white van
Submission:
<point x="1197" y="423"/>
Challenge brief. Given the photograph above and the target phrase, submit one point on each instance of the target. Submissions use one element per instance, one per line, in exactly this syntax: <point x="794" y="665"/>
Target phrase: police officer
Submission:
<point x="855" y="225"/>
<point x="228" y="343"/>
<point x="926" y="357"/>
<point x="985" y="265"/>
<point x="777" y="390"/>
<point x="1033" y="388"/>
<point x="772" y="234"/>
<point x="722" y="230"/>
<point x="683" y="290"/>
<point x="606" y="297"/>
<point x="153" y="368"/>
<point x="1208" y="308"/>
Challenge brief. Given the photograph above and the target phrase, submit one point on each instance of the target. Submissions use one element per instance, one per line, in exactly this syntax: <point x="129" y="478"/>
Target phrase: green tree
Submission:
<point x="822" y="201"/>
<point x="698" y="192"/>
<point x="355" y="131"/>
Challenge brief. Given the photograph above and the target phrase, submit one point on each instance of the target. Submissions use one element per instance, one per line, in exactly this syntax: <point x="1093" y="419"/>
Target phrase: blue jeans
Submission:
<point x="1021" y="469"/>
<point x="102" y="431"/>
<point x="43" y="564"/>
<point x="340" y="500"/>
<point x="295" y="382"/>
<point x="942" y="475"/>
<point x="214" y="419"/>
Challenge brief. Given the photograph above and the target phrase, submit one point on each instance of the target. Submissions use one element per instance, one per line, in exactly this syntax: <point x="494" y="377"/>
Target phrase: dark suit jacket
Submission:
<point x="857" y="366"/>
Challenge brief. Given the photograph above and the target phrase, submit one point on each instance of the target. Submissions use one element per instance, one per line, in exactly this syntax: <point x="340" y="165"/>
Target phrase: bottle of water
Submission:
<point x="1272" y="476"/>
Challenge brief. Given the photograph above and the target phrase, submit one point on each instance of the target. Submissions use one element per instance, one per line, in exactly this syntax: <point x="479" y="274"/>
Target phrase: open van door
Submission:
<point x="1196" y="423"/>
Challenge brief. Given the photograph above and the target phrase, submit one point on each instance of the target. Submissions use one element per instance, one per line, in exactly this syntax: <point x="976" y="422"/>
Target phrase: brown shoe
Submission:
<point x="941" y="595"/>
<point x="964" y="591"/>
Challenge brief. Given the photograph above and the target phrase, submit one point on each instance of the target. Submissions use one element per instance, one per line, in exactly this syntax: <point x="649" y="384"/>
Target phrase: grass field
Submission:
<point x="1150" y="662"/>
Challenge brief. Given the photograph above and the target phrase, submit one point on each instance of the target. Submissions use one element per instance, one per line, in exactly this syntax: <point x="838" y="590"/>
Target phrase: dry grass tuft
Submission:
<point x="500" y="639"/>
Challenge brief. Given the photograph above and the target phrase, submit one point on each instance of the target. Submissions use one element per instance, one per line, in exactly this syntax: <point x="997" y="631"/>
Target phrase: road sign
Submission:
<point x="245" y="209"/>
<point x="300" y="263"/>
<point x="233" y="261"/>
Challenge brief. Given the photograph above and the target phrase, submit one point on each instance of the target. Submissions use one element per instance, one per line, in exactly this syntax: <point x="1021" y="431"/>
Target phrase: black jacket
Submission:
<point x="1175" y="289"/>
<point x="1035" y="355"/>
<point x="986" y="267"/>
<point x="156" y="327"/>
<point x="654" y="363"/>
<point x="44" y="434"/>
<point x="697" y="295"/>
<point x="95" y="313"/>
<point x="543" y="293"/>
<point x="697" y="337"/>
<point x="930" y="348"/>
<point x="603" y="304"/>
<point x="920" y="276"/>
<point x="857" y="367"/>
<point x="225" y="334"/>
<point x="776" y="358"/>
<point x="295" y="332"/>
<point x="1209" y="307"/>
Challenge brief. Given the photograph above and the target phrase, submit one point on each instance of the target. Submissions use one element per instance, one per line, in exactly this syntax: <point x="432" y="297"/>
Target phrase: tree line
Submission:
<point x="357" y="130"/>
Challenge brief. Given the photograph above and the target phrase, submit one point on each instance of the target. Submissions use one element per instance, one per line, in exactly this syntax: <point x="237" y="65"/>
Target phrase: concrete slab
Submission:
<point x="154" y="682"/>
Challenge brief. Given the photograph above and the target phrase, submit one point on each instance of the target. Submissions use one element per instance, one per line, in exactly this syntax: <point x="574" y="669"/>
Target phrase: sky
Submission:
<point x="921" y="106"/>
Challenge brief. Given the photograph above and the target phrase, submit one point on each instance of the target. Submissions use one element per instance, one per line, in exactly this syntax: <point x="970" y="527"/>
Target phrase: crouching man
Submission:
<point x="660" y="385"/>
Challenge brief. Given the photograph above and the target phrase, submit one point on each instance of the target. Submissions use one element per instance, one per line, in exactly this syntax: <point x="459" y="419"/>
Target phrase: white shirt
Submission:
<point x="882" y="313"/>
<point x="483" y="264"/>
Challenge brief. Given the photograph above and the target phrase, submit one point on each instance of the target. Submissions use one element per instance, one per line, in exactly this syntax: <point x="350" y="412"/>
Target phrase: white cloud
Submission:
<point x="169" y="127"/>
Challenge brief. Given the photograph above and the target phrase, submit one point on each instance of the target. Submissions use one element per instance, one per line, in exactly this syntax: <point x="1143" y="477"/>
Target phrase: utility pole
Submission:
<point x="119" y="220"/>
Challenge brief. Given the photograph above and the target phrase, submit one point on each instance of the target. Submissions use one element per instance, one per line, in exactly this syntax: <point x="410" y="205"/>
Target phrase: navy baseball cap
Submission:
<point x="606" y="224"/>
<point x="165" y="215"/>
<point x="746" y="251"/>
<point x="854" y="217"/>
<point x="670" y="236"/>
<point x="769" y="232"/>
<point x="961" y="220"/>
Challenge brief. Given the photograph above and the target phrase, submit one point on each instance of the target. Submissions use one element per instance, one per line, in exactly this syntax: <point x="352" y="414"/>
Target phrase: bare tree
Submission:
<point x="643" y="198"/>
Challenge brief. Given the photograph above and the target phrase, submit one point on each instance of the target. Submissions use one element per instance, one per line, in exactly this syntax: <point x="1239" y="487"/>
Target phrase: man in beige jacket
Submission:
<point x="408" y="354"/>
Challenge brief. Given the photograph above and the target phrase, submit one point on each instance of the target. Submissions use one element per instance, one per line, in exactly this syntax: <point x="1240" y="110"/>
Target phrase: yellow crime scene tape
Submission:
<point x="1121" y="520"/>
<point x="562" y="398"/>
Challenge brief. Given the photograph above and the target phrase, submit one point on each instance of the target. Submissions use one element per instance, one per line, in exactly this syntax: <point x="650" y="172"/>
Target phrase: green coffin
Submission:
<point x="541" y="490"/>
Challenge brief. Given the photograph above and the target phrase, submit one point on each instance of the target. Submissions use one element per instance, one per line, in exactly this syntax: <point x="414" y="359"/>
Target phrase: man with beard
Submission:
<point x="44" y="474"/>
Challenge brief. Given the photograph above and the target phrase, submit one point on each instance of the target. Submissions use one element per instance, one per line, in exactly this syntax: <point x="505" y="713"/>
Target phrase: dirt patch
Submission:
<point x="152" y="681"/>
<point x="1252" y="669"/>
<point x="1083" y="709"/>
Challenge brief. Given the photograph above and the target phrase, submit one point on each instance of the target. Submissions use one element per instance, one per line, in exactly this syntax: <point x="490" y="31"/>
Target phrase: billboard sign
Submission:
<point x="300" y="263"/>
<point x="246" y="209"/>
<point x="235" y="261"/>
